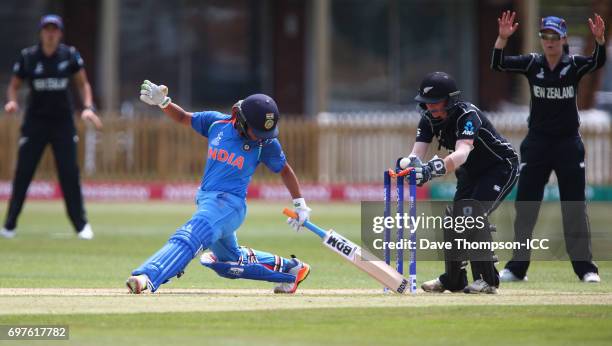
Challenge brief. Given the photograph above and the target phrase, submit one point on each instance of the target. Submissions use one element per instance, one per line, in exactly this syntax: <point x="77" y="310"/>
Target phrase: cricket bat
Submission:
<point x="377" y="269"/>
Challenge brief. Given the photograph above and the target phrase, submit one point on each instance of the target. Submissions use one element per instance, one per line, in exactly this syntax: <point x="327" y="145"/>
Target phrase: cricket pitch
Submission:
<point x="114" y="301"/>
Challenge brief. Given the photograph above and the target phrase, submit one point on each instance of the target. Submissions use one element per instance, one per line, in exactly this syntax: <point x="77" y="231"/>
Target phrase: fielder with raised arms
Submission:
<point x="237" y="144"/>
<point x="486" y="167"/>
<point x="553" y="142"/>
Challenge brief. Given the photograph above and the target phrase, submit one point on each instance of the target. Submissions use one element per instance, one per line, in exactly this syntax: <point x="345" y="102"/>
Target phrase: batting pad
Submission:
<point x="252" y="271"/>
<point x="166" y="263"/>
<point x="177" y="253"/>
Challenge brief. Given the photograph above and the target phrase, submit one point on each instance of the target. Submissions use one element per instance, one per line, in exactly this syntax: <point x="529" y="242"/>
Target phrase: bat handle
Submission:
<point x="290" y="213"/>
<point x="311" y="226"/>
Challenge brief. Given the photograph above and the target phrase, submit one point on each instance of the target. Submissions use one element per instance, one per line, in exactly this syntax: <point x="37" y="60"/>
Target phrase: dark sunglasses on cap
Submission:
<point x="553" y="36"/>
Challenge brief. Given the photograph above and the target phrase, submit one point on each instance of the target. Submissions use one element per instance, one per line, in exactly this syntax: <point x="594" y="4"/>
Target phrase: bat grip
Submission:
<point x="312" y="227"/>
<point x="290" y="213"/>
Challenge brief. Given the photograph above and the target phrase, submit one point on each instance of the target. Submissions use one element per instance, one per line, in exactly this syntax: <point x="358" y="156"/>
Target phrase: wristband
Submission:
<point x="299" y="203"/>
<point x="165" y="102"/>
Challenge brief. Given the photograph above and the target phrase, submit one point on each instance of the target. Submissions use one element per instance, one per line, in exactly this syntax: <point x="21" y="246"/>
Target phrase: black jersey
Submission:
<point x="48" y="78"/>
<point x="466" y="121"/>
<point x="553" y="93"/>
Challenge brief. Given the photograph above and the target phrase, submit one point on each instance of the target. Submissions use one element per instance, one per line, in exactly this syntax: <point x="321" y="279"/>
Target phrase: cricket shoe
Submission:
<point x="591" y="277"/>
<point x="506" y="275"/>
<point x="433" y="286"/>
<point x="137" y="283"/>
<point x="480" y="286"/>
<point x="86" y="233"/>
<point x="300" y="270"/>
<point x="7" y="233"/>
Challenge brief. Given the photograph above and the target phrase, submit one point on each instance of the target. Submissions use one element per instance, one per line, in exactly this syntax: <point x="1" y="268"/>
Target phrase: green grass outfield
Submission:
<point x="338" y="303"/>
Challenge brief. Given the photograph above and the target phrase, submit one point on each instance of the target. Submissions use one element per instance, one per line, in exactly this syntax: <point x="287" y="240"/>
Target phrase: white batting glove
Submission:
<point x="410" y="161"/>
<point x="432" y="169"/>
<point x="154" y="95"/>
<point x="303" y="212"/>
<point x="438" y="168"/>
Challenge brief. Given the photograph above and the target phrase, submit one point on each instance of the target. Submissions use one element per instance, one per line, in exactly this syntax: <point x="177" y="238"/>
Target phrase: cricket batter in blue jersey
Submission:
<point x="237" y="144"/>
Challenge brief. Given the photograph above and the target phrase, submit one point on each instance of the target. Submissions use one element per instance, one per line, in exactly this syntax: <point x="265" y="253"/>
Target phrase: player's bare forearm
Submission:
<point x="500" y="43"/>
<point x="86" y="95"/>
<point x="178" y="114"/>
<point x="419" y="149"/>
<point x="291" y="181"/>
<point x="13" y="88"/>
<point x="459" y="156"/>
<point x="11" y="105"/>
<point x="80" y="79"/>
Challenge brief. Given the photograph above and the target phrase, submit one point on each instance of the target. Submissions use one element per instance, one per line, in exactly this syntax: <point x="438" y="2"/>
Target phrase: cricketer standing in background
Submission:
<point x="486" y="167"/>
<point x="553" y="142"/>
<point x="237" y="144"/>
<point x="47" y="68"/>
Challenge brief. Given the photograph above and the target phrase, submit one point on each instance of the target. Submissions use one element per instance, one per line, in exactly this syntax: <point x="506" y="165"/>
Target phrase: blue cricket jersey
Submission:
<point x="232" y="159"/>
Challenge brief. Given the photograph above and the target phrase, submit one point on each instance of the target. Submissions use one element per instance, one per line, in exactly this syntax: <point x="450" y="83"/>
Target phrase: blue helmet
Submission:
<point x="258" y="112"/>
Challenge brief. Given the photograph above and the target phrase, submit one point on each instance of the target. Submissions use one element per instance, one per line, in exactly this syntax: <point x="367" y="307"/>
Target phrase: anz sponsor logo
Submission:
<point x="50" y="84"/>
<point x="341" y="245"/>
<point x="554" y="93"/>
<point x="468" y="129"/>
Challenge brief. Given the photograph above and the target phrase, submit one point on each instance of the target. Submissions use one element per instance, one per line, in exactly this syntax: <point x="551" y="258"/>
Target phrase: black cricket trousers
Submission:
<point x="35" y="135"/>
<point x="540" y="155"/>
<point x="483" y="194"/>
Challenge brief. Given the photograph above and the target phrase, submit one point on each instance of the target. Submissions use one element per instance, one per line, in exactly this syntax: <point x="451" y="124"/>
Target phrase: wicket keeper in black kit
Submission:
<point x="486" y="167"/>
<point x="553" y="141"/>
<point x="47" y="68"/>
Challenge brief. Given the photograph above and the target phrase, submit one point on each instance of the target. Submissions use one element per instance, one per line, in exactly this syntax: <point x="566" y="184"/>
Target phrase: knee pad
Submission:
<point x="480" y="232"/>
<point x="472" y="208"/>
<point x="467" y="207"/>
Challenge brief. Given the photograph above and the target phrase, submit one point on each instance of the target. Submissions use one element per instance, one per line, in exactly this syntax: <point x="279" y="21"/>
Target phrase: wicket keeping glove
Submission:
<point x="303" y="212"/>
<point x="154" y="95"/>
<point x="433" y="169"/>
<point x="410" y="161"/>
